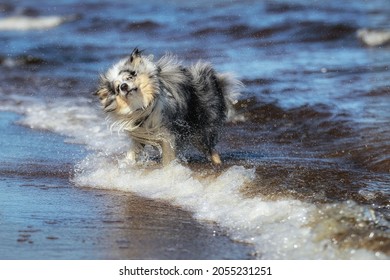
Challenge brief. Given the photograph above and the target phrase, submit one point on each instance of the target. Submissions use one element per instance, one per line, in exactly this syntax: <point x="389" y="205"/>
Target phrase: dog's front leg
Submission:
<point x="168" y="151"/>
<point x="134" y="152"/>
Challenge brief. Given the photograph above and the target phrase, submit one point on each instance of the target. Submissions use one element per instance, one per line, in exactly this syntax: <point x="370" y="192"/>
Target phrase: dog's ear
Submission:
<point x="102" y="92"/>
<point x="104" y="89"/>
<point x="134" y="56"/>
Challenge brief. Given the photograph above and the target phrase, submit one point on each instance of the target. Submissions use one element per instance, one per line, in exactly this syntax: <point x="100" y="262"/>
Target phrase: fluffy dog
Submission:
<point x="167" y="105"/>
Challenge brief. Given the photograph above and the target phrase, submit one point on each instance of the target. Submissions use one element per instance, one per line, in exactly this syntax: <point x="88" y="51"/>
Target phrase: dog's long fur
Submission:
<point x="167" y="105"/>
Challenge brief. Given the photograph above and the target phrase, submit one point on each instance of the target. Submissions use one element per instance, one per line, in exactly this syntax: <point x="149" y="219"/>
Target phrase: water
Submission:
<point x="306" y="175"/>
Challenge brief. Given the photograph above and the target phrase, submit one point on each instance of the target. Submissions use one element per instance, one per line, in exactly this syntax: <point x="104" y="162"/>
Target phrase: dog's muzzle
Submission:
<point x="124" y="87"/>
<point x="127" y="89"/>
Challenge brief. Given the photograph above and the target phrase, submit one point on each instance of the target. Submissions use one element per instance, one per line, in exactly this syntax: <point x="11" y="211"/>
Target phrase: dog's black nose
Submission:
<point x="124" y="87"/>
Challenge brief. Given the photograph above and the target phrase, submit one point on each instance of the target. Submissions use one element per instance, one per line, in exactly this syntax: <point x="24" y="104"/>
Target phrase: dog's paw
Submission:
<point x="124" y="163"/>
<point x="129" y="160"/>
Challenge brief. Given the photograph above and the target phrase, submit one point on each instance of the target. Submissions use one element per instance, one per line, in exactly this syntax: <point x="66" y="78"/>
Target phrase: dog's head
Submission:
<point x="129" y="85"/>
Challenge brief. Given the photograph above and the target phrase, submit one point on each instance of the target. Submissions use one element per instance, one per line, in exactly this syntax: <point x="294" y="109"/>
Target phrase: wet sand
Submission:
<point x="43" y="216"/>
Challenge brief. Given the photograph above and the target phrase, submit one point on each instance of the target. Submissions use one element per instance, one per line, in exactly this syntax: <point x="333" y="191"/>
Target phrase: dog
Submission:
<point x="167" y="105"/>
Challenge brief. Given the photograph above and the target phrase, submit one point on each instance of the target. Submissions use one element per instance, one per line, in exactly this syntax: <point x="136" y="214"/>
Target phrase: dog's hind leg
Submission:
<point x="214" y="157"/>
<point x="210" y="140"/>
<point x="207" y="148"/>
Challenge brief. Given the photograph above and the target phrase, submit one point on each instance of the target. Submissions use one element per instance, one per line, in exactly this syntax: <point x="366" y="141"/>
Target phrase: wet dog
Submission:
<point x="167" y="105"/>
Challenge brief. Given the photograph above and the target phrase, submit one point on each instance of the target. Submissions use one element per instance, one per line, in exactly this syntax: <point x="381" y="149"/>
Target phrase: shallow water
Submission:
<point x="311" y="161"/>
<point x="43" y="216"/>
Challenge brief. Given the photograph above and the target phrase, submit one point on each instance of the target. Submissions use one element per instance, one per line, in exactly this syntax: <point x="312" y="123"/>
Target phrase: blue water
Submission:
<point x="307" y="49"/>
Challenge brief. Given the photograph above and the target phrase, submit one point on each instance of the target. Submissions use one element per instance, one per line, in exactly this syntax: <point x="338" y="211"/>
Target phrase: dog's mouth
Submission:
<point x="124" y="89"/>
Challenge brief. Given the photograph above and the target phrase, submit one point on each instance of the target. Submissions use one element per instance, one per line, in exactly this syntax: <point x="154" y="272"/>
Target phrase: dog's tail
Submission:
<point x="231" y="89"/>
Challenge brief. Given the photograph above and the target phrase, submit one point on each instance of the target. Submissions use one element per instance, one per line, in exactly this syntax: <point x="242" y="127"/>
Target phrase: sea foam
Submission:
<point x="374" y="38"/>
<point x="279" y="229"/>
<point x="24" y="23"/>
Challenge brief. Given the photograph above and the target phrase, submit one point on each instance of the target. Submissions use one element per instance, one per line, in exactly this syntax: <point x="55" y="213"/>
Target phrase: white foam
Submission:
<point x="23" y="23"/>
<point x="80" y="120"/>
<point x="374" y="38"/>
<point x="279" y="229"/>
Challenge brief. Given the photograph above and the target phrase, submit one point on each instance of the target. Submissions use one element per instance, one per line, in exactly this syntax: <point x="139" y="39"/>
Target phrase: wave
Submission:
<point x="25" y="23"/>
<point x="21" y="60"/>
<point x="303" y="31"/>
<point x="305" y="124"/>
<point x="374" y="37"/>
<point x="98" y="24"/>
<point x="278" y="229"/>
<point x="282" y="228"/>
<point x="146" y="25"/>
<point x="313" y="31"/>
<point x="379" y="92"/>
<point x="318" y="128"/>
<point x="76" y="119"/>
<point x="240" y="31"/>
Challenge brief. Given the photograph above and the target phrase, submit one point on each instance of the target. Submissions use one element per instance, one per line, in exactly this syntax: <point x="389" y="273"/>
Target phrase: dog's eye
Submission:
<point x="132" y="75"/>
